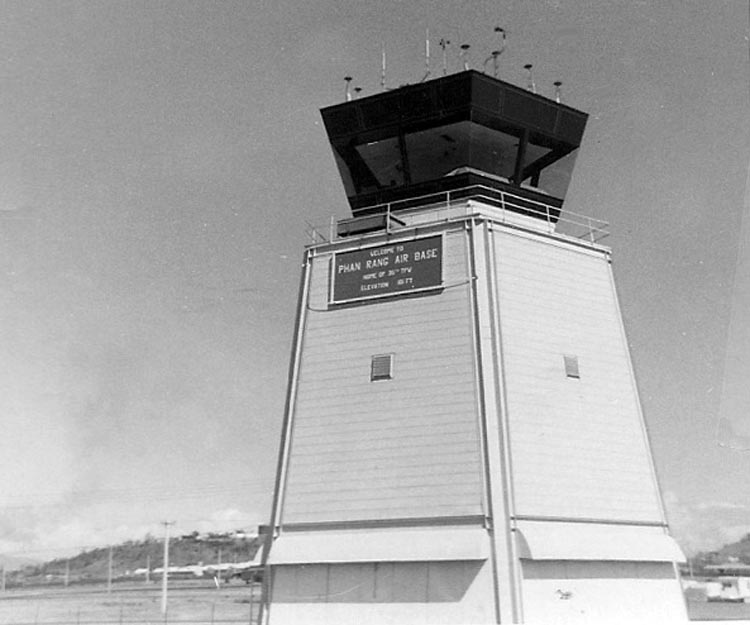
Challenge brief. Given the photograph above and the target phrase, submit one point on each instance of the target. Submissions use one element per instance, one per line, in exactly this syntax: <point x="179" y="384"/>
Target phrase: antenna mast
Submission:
<point x="444" y="43"/>
<point x="558" y="95"/>
<point x="495" y="54"/>
<point x="465" y="55"/>
<point x="531" y="85"/>
<point x="382" y="65"/>
<point x="426" y="53"/>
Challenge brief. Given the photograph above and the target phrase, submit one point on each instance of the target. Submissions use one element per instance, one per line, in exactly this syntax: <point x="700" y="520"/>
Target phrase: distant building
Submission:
<point x="728" y="568"/>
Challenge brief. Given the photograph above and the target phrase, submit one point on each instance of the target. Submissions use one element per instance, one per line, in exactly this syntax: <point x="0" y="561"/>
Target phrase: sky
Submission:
<point x="160" y="163"/>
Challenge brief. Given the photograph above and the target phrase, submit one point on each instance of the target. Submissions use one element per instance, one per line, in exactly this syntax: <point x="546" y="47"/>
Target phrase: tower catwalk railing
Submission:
<point x="450" y="205"/>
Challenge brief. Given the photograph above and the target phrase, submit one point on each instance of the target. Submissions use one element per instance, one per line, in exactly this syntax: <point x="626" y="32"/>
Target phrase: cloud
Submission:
<point x="721" y="505"/>
<point x="16" y="532"/>
<point x="59" y="532"/>
<point x="706" y="526"/>
<point x="223" y="520"/>
<point x="732" y="533"/>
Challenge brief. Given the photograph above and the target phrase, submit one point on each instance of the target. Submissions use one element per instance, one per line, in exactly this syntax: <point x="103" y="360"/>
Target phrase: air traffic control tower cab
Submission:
<point x="461" y="136"/>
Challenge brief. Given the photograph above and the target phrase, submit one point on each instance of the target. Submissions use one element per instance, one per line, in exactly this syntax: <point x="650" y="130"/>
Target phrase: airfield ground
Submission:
<point x="197" y="603"/>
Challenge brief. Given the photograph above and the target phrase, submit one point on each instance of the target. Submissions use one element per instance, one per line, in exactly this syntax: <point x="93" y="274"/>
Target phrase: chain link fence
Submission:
<point x="82" y="605"/>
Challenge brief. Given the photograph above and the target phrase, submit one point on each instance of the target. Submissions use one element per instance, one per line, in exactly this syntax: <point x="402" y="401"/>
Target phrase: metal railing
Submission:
<point x="456" y="205"/>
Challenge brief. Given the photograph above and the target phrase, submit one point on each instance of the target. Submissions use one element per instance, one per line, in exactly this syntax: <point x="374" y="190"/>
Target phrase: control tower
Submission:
<point x="463" y="440"/>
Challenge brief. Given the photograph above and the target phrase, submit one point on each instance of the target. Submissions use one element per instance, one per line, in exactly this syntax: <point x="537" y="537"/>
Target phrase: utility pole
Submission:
<point x="109" y="571"/>
<point x="166" y="525"/>
<point x="148" y="569"/>
<point x="218" y="569"/>
<point x="67" y="573"/>
<point x="3" y="579"/>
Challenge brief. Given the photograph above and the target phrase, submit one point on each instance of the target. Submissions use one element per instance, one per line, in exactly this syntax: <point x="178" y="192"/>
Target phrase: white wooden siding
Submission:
<point x="577" y="445"/>
<point x="405" y="447"/>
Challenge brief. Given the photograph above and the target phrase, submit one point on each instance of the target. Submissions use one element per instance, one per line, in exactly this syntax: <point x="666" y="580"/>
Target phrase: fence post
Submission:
<point x="252" y="590"/>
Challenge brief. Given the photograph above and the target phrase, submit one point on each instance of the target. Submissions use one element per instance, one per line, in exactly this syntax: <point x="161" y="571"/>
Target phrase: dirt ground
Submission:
<point x="198" y="603"/>
<point x="190" y="602"/>
<point x="717" y="611"/>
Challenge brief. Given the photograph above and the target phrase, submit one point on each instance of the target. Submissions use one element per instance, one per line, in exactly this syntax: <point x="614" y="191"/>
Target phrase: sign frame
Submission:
<point x="440" y="284"/>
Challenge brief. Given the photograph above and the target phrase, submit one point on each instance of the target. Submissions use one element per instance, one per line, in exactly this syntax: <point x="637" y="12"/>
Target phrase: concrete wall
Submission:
<point x="383" y="593"/>
<point x="563" y="592"/>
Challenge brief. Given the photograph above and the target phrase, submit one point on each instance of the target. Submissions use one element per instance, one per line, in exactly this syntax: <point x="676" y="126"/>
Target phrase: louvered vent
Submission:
<point x="571" y="366"/>
<point x="381" y="367"/>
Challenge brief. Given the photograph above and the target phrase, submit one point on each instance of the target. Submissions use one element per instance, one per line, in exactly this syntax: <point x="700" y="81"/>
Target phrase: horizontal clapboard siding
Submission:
<point x="399" y="448"/>
<point x="577" y="444"/>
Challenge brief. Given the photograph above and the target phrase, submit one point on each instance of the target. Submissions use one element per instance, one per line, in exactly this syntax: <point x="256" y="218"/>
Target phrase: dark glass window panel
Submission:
<point x="436" y="152"/>
<point x="441" y="151"/>
<point x="345" y="174"/>
<point x="383" y="159"/>
<point x="493" y="151"/>
<point x="534" y="153"/>
<point x="555" y="178"/>
<point x="453" y="148"/>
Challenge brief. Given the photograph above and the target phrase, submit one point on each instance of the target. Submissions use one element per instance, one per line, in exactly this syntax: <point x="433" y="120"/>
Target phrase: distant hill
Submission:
<point x="93" y="565"/>
<point x="738" y="551"/>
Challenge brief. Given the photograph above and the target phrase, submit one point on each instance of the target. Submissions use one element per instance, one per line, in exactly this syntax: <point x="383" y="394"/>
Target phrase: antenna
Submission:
<point x="444" y="43"/>
<point x="531" y="85"/>
<point x="382" y="65"/>
<point x="465" y="55"/>
<point x="558" y="84"/>
<point x="426" y="53"/>
<point x="495" y="54"/>
<point x="348" y="80"/>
